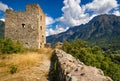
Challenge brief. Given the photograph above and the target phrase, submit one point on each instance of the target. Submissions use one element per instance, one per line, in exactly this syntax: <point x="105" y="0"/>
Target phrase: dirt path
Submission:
<point x="38" y="72"/>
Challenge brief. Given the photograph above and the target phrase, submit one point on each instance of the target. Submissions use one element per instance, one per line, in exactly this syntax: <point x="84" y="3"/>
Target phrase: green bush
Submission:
<point x="8" y="46"/>
<point x="13" y="69"/>
<point x="93" y="55"/>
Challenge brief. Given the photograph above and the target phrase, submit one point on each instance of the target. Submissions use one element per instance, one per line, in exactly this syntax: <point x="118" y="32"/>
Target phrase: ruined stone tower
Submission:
<point x="28" y="27"/>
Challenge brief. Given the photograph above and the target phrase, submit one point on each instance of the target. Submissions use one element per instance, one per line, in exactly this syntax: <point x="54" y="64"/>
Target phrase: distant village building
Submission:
<point x="28" y="27"/>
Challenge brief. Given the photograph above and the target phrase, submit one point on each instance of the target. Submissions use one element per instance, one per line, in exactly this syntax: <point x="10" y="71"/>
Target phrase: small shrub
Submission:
<point x="13" y="69"/>
<point x="9" y="47"/>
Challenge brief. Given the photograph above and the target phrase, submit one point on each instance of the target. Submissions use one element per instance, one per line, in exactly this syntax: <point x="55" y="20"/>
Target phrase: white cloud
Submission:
<point x="116" y="13"/>
<point x="50" y="30"/>
<point x="49" y="20"/>
<point x="57" y="30"/>
<point x="2" y="19"/>
<point x="3" y="7"/>
<point x="101" y="6"/>
<point x="76" y="14"/>
<point x="73" y="14"/>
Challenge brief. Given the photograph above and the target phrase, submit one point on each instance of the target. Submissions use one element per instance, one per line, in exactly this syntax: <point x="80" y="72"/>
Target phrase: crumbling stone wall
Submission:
<point x="71" y="69"/>
<point x="27" y="26"/>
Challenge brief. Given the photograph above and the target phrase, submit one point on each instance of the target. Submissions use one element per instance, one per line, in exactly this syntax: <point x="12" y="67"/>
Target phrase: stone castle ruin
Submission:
<point x="28" y="27"/>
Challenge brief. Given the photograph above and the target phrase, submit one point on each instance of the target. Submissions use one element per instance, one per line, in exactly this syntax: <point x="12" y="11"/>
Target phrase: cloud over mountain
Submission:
<point x="101" y="6"/>
<point x="73" y="13"/>
<point x="76" y="14"/>
<point x="2" y="19"/>
<point x="49" y="20"/>
<point x="3" y="7"/>
<point x="58" y="29"/>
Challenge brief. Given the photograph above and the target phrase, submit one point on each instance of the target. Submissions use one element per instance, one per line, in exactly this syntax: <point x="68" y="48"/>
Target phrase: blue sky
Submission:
<point x="62" y="14"/>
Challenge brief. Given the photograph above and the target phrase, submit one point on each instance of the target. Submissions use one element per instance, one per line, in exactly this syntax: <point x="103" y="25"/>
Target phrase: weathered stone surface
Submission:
<point x="70" y="69"/>
<point x="27" y="26"/>
<point x="58" y="45"/>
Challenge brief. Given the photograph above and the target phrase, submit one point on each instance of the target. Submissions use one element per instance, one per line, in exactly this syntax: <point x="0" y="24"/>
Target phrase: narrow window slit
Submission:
<point x="40" y="27"/>
<point x="23" y="25"/>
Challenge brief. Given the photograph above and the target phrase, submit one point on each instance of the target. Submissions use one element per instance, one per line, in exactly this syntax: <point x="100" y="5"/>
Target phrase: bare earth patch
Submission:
<point x="32" y="66"/>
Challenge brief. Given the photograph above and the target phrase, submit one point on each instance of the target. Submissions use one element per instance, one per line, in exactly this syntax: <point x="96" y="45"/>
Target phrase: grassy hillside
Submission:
<point x="28" y="66"/>
<point x="20" y="64"/>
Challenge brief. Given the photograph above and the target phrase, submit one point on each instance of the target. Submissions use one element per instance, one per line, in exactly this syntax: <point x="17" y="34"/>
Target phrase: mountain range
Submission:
<point x="102" y="30"/>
